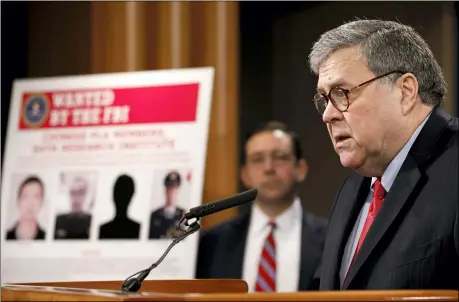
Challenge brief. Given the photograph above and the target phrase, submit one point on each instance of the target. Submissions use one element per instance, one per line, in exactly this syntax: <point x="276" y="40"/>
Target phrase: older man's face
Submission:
<point x="362" y="134"/>
<point x="78" y="191"/>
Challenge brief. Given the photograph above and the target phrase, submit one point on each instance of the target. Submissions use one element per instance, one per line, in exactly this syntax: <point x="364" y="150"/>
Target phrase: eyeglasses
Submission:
<point x="339" y="97"/>
<point x="277" y="158"/>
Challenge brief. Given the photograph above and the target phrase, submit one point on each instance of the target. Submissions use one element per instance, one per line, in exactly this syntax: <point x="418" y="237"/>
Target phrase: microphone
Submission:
<point x="133" y="283"/>
<point x="223" y="204"/>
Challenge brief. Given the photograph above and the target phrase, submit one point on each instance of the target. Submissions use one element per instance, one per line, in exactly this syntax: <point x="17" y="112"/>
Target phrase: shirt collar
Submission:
<point x="392" y="169"/>
<point x="285" y="221"/>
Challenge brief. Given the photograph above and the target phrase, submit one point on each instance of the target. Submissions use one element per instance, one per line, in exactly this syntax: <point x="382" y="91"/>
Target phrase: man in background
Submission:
<point x="165" y="220"/>
<point x="76" y="224"/>
<point x="277" y="246"/>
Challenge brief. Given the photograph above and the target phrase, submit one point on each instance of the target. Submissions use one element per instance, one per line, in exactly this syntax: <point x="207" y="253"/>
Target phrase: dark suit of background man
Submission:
<point x="76" y="224"/>
<point x="403" y="147"/>
<point x="243" y="247"/>
<point x="164" y="221"/>
<point x="121" y="227"/>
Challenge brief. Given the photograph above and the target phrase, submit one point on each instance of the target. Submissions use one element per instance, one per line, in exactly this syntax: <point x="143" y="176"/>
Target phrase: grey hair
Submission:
<point x="386" y="46"/>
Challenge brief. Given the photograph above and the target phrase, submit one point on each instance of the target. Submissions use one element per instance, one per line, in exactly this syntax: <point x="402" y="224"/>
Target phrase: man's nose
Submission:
<point x="331" y="113"/>
<point x="268" y="164"/>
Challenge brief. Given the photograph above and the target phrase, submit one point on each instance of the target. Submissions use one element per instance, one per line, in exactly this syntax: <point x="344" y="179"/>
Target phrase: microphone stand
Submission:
<point x="133" y="283"/>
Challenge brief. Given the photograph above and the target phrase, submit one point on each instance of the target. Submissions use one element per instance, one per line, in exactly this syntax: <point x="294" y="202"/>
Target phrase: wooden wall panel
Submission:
<point x="118" y="36"/>
<point x="128" y="36"/>
<point x="163" y="35"/>
<point x="170" y="34"/>
<point x="216" y="25"/>
<point x="448" y="56"/>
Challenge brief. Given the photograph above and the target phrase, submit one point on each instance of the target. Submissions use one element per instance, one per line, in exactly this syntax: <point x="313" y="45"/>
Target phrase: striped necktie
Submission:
<point x="266" y="278"/>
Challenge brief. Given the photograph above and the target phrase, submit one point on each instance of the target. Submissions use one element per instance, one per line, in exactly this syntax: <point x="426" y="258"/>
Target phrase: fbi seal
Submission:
<point x="36" y="110"/>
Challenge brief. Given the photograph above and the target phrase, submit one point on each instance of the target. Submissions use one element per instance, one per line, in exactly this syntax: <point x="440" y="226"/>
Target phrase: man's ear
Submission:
<point x="301" y="170"/>
<point x="245" y="177"/>
<point x="409" y="87"/>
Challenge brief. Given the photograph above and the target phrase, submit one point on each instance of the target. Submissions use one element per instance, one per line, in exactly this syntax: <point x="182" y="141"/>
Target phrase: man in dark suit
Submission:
<point x="76" y="223"/>
<point x="121" y="226"/>
<point x="394" y="223"/>
<point x="277" y="245"/>
<point x="164" y="221"/>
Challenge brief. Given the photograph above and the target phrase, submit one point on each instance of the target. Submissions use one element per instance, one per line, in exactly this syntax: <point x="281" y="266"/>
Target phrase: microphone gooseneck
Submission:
<point x="134" y="282"/>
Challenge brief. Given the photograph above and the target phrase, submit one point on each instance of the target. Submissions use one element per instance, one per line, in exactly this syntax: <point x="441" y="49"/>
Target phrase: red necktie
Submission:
<point x="378" y="197"/>
<point x="266" y="278"/>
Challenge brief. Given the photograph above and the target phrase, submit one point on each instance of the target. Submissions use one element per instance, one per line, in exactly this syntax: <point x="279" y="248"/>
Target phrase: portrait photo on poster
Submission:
<point x="28" y="207"/>
<point x="122" y="225"/>
<point x="74" y="204"/>
<point x="171" y="191"/>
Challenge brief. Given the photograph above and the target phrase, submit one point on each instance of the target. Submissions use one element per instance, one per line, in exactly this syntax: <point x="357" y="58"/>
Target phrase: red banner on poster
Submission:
<point x="108" y="107"/>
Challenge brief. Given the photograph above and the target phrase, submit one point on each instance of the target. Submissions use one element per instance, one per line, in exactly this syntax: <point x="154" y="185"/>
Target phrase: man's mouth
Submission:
<point x="341" y="138"/>
<point x="271" y="184"/>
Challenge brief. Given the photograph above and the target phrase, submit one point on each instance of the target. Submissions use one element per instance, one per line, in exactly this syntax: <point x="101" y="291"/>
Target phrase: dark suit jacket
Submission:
<point x="221" y="250"/>
<point x="162" y="226"/>
<point x="72" y="226"/>
<point x="11" y="234"/>
<point x="413" y="241"/>
<point x="120" y="228"/>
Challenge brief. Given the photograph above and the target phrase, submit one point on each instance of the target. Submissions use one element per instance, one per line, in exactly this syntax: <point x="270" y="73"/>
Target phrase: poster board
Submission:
<point x="97" y="168"/>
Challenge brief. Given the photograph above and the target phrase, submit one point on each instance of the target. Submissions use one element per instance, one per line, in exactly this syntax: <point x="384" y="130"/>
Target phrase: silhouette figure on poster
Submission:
<point x="29" y="201"/>
<point x="121" y="226"/>
<point x="76" y="223"/>
<point x="164" y="221"/>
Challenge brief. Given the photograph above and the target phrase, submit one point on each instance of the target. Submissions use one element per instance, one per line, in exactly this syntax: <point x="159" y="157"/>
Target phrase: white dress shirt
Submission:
<point x="287" y="236"/>
<point x="387" y="180"/>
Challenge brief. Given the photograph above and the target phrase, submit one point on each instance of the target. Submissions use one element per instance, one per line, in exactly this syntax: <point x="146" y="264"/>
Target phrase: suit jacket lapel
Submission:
<point x="395" y="200"/>
<point x="344" y="215"/>
<point x="408" y="179"/>
<point x="310" y="251"/>
<point x="233" y="253"/>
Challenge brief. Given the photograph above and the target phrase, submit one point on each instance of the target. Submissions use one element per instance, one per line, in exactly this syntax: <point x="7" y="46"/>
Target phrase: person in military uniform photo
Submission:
<point x="76" y="223"/>
<point x="165" y="220"/>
